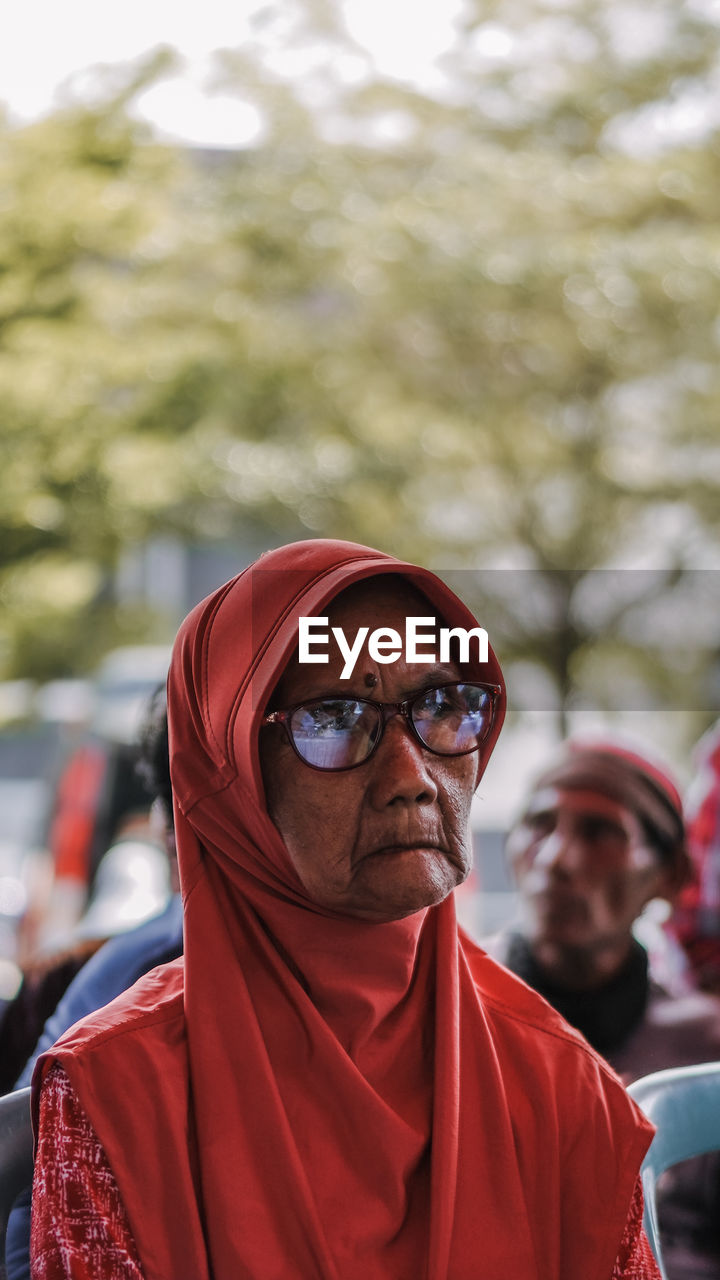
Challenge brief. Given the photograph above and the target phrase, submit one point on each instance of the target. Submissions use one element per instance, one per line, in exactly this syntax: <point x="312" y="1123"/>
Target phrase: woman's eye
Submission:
<point x="435" y="705"/>
<point x="346" y="715"/>
<point x="443" y="707"/>
<point x="331" y="716"/>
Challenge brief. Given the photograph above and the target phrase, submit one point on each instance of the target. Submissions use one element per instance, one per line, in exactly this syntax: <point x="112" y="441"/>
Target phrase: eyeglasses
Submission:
<point x="338" y="733"/>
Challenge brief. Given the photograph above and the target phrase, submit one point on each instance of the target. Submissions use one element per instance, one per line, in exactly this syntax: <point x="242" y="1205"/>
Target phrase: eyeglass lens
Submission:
<point x="338" y="733"/>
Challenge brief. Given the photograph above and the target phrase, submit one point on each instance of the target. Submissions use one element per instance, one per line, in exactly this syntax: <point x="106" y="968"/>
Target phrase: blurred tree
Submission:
<point x="517" y="326"/>
<point x="476" y="326"/>
<point x="85" y="200"/>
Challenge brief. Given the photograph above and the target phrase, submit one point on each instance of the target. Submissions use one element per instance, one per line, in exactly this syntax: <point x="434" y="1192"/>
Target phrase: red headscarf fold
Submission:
<point x="319" y="1096"/>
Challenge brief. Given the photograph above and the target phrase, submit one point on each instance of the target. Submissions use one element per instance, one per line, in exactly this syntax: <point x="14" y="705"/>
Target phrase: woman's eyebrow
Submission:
<point x="429" y="679"/>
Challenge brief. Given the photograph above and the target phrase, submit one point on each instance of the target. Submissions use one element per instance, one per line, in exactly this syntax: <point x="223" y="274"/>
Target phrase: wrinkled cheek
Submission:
<point x="459" y="835"/>
<point x="460" y="842"/>
<point x="339" y="863"/>
<point x="343" y="841"/>
<point x="455" y="803"/>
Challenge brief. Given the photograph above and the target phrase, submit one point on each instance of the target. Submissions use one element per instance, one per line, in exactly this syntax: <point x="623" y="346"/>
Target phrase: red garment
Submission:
<point x="73" y="822"/>
<point x="316" y="1095"/>
<point x="696" y="918"/>
<point x="72" y="1165"/>
<point x="80" y="1228"/>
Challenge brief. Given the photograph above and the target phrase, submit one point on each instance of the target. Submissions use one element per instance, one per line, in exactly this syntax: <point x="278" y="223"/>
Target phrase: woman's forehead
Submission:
<point x="383" y="602"/>
<point x="383" y="596"/>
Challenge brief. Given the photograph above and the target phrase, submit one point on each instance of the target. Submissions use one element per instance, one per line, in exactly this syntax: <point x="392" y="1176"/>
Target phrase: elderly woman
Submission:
<point x="335" y="1084"/>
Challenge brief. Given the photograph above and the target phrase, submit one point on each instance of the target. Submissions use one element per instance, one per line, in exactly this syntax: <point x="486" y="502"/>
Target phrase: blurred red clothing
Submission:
<point x="73" y="823"/>
<point x="696" y="919"/>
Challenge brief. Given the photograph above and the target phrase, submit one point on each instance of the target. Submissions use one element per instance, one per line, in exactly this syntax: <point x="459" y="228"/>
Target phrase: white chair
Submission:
<point x="684" y="1105"/>
<point x="16" y="1157"/>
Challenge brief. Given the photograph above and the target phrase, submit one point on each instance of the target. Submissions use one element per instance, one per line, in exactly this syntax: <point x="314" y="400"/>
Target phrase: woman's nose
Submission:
<point x="401" y="767"/>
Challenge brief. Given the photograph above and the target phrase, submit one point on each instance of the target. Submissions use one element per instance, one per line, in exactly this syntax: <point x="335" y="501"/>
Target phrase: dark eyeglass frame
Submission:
<point x="387" y="711"/>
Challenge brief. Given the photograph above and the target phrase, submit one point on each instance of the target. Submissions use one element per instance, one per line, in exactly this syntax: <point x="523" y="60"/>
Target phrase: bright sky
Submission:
<point x="45" y="42"/>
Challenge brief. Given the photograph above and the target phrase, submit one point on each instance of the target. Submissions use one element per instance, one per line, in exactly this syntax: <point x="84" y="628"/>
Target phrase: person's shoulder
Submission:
<point x="519" y="1013"/>
<point x="113" y="969"/>
<point x="509" y="995"/>
<point x="561" y="1089"/>
<point x="138" y="1042"/>
<point x="156" y="999"/>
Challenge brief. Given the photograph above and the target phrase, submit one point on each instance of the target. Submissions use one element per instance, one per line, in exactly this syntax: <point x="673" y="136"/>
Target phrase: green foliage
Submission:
<point x="477" y="329"/>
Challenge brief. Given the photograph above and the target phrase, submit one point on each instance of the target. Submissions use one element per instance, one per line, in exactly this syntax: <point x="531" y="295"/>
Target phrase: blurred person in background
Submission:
<point x="133" y="880"/>
<point x="696" y="918"/>
<point x="600" y="836"/>
<point x="120" y="962"/>
<point x="99" y="798"/>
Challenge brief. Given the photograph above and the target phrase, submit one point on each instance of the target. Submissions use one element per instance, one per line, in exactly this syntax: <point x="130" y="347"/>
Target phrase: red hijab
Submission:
<point x="314" y="1095"/>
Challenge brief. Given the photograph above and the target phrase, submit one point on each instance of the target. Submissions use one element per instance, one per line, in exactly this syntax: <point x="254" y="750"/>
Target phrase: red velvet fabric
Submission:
<point x="313" y="1095"/>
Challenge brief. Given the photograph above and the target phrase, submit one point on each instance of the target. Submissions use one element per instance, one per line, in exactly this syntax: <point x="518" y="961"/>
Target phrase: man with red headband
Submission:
<point x="600" y="835"/>
<point x="334" y="1083"/>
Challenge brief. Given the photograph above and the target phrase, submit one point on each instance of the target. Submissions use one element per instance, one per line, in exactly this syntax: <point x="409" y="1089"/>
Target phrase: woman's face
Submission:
<point x="390" y="836"/>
